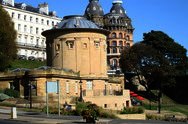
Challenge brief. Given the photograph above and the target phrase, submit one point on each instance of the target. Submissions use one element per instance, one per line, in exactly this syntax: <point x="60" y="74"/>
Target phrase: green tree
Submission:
<point x="158" y="58"/>
<point x="8" y="35"/>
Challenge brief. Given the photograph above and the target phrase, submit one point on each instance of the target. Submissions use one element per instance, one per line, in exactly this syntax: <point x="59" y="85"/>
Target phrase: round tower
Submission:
<point x="79" y="45"/>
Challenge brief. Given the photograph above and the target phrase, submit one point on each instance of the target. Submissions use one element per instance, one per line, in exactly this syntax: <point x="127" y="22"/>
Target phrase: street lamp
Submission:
<point x="81" y="95"/>
<point x="30" y="92"/>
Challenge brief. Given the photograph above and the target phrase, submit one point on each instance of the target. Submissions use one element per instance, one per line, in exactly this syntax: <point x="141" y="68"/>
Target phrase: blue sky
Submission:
<point x="169" y="16"/>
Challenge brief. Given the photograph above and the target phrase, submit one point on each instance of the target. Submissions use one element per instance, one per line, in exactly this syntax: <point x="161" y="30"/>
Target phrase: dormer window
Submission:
<point x="23" y="6"/>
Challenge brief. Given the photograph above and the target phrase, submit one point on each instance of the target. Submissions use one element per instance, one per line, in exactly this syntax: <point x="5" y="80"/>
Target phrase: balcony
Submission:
<point x="31" y="46"/>
<point x="88" y="93"/>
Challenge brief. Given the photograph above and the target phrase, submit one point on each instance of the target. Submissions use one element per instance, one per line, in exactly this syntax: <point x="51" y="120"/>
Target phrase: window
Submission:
<point x="31" y="40"/>
<point x="52" y="23"/>
<point x="114" y="50"/>
<point x="13" y="15"/>
<point x="25" y="28"/>
<point x="89" y="85"/>
<point x="25" y="17"/>
<point x="37" y="20"/>
<point x="19" y="27"/>
<point x="31" y="30"/>
<point x="113" y="35"/>
<point x="128" y="44"/>
<point x="37" y="30"/>
<point x="84" y="45"/>
<point x="70" y="44"/>
<point x="67" y="86"/>
<point x="120" y="49"/>
<point x="19" y="37"/>
<point x="115" y="104"/>
<point x="47" y="22"/>
<point x="19" y="16"/>
<point x="120" y="43"/>
<point x="31" y="18"/>
<point x="25" y="38"/>
<point x="114" y="43"/>
<point x="37" y="42"/>
<point x="42" y="21"/>
<point x="105" y="106"/>
<point x="127" y="38"/>
<point x="57" y="47"/>
<point x="114" y="64"/>
<point x="120" y="35"/>
<point x="97" y="44"/>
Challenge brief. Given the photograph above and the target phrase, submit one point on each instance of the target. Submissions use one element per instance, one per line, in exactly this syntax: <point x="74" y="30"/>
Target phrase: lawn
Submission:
<point x="27" y="64"/>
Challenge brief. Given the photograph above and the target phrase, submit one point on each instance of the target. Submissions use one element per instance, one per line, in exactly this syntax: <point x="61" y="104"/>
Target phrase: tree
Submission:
<point x="158" y="58"/>
<point x="8" y="49"/>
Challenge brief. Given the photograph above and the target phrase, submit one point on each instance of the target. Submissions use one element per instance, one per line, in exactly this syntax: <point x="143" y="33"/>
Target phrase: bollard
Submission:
<point x="13" y="113"/>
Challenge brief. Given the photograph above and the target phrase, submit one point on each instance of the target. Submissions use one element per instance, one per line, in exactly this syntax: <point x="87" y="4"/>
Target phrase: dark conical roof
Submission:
<point x="94" y="9"/>
<point x="117" y="8"/>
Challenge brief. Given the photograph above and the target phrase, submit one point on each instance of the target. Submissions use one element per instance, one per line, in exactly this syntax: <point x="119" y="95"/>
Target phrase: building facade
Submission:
<point x="76" y="58"/>
<point x="29" y="23"/>
<point x="120" y="27"/>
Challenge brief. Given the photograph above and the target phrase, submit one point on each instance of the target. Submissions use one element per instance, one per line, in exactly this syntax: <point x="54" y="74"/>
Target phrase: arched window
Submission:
<point x="113" y="35"/>
<point x="128" y="44"/>
<point x="127" y="37"/>
<point x="120" y="35"/>
<point x="114" y="50"/>
<point x="120" y="43"/>
<point x="114" y="64"/>
<point x="114" y="43"/>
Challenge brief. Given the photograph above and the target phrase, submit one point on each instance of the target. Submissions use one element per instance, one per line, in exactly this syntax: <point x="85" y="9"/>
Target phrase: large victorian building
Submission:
<point x="30" y="22"/>
<point x="119" y="25"/>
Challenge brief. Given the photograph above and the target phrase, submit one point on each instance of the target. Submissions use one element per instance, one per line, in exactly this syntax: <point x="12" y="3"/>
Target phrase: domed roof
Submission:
<point x="94" y="9"/>
<point x="76" y="21"/>
<point x="117" y="8"/>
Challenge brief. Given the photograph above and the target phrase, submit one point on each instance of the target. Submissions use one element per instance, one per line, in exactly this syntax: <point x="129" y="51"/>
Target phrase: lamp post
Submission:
<point x="81" y="95"/>
<point x="30" y="92"/>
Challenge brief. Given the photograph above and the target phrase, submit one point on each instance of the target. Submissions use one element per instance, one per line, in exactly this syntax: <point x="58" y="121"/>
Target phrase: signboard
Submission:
<point x="52" y="87"/>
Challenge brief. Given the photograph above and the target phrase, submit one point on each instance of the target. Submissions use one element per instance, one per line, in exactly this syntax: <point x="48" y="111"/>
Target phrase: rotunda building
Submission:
<point x="79" y="45"/>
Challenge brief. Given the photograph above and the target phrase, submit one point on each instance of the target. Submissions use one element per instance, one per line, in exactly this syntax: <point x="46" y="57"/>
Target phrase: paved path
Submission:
<point x="40" y="118"/>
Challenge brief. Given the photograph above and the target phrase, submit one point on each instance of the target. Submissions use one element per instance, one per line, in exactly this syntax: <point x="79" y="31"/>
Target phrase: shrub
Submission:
<point x="106" y="113"/>
<point x="80" y="106"/>
<point x="132" y="110"/>
<point x="12" y="93"/>
<point x="51" y="110"/>
<point x="91" y="113"/>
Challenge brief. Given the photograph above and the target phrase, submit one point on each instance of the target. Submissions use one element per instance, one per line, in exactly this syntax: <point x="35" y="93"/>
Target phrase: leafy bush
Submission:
<point x="12" y="93"/>
<point x="154" y="117"/>
<point x="91" y="113"/>
<point x="132" y="110"/>
<point x="106" y="113"/>
<point x="80" y="106"/>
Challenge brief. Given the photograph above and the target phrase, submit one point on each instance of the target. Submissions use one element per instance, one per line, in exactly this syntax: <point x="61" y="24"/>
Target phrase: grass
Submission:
<point x="27" y="64"/>
<point x="167" y="105"/>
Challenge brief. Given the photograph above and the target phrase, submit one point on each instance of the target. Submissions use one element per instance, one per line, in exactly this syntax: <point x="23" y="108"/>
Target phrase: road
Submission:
<point x="11" y="122"/>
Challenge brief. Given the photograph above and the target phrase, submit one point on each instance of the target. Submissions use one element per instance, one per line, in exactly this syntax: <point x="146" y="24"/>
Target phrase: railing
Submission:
<point x="27" y="45"/>
<point x="104" y="92"/>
